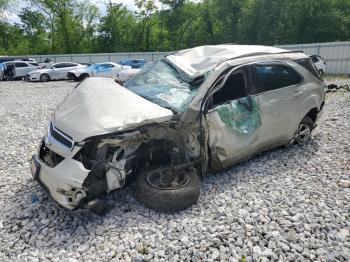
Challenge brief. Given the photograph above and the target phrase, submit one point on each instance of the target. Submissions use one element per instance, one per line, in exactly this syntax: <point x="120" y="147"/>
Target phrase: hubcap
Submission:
<point x="163" y="179"/>
<point x="304" y="133"/>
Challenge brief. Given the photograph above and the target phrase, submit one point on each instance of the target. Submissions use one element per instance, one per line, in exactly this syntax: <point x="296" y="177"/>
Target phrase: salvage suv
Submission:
<point x="195" y="111"/>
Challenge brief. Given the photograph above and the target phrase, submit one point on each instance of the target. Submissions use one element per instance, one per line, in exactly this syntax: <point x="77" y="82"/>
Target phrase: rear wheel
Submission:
<point x="156" y="191"/>
<point x="304" y="130"/>
<point x="44" y="78"/>
<point x="83" y="76"/>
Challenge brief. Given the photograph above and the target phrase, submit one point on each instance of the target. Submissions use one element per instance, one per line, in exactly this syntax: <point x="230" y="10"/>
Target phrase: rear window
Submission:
<point x="309" y="65"/>
<point x="274" y="76"/>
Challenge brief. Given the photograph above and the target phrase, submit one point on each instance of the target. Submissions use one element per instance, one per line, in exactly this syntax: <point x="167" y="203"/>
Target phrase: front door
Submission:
<point x="233" y="120"/>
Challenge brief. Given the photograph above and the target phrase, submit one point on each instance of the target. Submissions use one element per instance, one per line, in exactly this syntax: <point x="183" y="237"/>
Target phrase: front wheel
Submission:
<point x="156" y="192"/>
<point x="44" y="78"/>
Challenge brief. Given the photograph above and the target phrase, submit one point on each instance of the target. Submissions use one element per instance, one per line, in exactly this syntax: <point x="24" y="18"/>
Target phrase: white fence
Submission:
<point x="101" y="57"/>
<point x="336" y="54"/>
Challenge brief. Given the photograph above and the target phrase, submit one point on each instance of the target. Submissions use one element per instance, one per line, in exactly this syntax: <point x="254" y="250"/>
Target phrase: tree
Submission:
<point x="117" y="29"/>
<point x="145" y="10"/>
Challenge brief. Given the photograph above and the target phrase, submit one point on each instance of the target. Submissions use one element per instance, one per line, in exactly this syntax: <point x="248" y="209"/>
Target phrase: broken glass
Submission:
<point x="238" y="117"/>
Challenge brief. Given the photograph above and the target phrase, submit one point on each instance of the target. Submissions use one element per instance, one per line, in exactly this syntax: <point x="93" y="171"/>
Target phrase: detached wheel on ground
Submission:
<point x="44" y="78"/>
<point x="155" y="190"/>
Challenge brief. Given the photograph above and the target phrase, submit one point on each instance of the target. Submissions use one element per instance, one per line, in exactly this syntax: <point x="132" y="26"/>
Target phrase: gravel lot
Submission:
<point x="286" y="204"/>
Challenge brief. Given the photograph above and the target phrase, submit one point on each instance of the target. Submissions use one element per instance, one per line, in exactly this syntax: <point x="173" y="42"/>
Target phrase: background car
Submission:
<point x="53" y="71"/>
<point x="107" y="69"/>
<point x="134" y="63"/>
<point x="15" y="58"/>
<point x="125" y="74"/>
<point x="319" y="63"/>
<point x="17" y="69"/>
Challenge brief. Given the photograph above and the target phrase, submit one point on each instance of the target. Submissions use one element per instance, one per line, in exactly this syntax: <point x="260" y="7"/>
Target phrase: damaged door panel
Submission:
<point x="195" y="110"/>
<point x="233" y="121"/>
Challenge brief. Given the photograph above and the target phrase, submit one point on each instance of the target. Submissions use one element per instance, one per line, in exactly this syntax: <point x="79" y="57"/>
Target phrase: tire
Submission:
<point x="305" y="128"/>
<point x="44" y="78"/>
<point x="83" y="76"/>
<point x="321" y="72"/>
<point x="168" y="199"/>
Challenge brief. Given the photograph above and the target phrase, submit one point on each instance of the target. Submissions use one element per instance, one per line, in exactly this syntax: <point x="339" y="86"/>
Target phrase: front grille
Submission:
<point x="61" y="137"/>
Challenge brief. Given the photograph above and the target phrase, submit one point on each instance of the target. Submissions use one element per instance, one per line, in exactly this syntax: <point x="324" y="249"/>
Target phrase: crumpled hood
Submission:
<point x="100" y="106"/>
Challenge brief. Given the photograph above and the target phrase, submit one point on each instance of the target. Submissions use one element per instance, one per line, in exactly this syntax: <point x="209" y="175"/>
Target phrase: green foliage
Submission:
<point x="75" y="26"/>
<point x="242" y="259"/>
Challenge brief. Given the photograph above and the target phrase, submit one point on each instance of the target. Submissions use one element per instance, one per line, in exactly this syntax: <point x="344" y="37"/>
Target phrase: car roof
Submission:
<point x="201" y="59"/>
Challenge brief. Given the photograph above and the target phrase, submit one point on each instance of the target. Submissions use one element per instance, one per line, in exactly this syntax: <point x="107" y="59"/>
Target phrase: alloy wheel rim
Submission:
<point x="304" y="133"/>
<point x="153" y="178"/>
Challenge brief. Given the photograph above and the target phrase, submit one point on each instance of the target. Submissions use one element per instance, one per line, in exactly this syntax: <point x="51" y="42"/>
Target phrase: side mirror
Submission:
<point x="247" y="102"/>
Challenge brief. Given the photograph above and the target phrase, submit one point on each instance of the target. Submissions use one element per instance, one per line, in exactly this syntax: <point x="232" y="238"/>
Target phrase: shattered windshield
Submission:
<point x="162" y="84"/>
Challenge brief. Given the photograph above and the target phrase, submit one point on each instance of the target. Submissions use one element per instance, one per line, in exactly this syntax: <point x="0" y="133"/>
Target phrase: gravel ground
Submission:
<point x="286" y="204"/>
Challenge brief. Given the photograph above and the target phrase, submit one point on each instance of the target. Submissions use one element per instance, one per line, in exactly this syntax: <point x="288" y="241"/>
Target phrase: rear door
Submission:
<point x="233" y="120"/>
<point x="64" y="69"/>
<point x="280" y="91"/>
<point x="22" y="68"/>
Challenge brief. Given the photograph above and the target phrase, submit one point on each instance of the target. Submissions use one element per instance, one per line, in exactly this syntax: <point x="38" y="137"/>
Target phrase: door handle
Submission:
<point x="298" y="93"/>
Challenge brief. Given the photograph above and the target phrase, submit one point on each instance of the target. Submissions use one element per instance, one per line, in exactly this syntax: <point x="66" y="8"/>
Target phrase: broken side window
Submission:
<point x="233" y="89"/>
<point x="239" y="117"/>
<point x="235" y="107"/>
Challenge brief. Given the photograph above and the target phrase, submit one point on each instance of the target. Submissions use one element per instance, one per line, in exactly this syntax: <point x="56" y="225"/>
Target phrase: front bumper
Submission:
<point x="64" y="182"/>
<point x="29" y="77"/>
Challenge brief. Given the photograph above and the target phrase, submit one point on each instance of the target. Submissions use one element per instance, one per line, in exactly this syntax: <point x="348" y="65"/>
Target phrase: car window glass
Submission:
<point x="70" y="65"/>
<point x="307" y="64"/>
<point x="59" y="65"/>
<point x="34" y="64"/>
<point x="314" y="59"/>
<point x="270" y="77"/>
<point x="234" y="88"/>
<point x="17" y="64"/>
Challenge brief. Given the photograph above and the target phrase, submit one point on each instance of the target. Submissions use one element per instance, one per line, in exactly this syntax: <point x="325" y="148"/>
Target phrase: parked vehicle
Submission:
<point x="108" y="69"/>
<point x="197" y="110"/>
<point x="134" y="63"/>
<point x="53" y="71"/>
<point x="126" y="74"/>
<point x="16" y="69"/>
<point x="319" y="63"/>
<point x="15" y="58"/>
